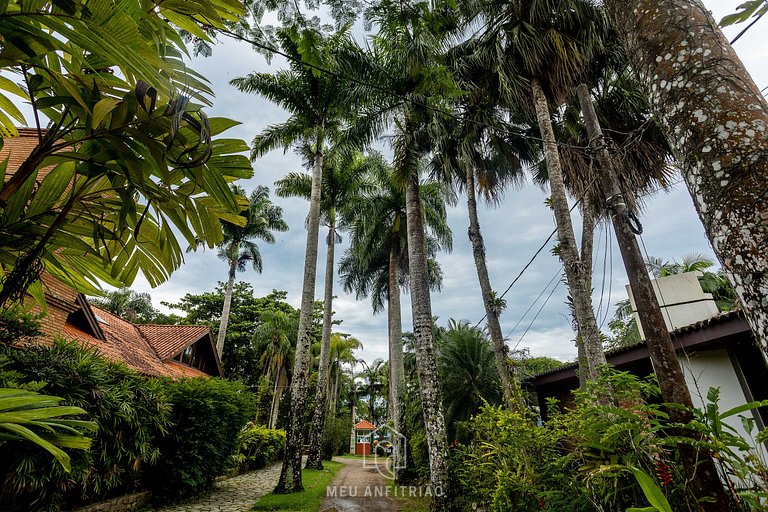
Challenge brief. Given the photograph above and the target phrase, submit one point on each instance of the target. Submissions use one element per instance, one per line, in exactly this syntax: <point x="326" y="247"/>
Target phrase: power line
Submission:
<point x="537" y="315"/>
<point x="546" y="287"/>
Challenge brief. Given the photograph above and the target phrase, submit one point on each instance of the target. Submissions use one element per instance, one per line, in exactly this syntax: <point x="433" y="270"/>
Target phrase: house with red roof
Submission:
<point x="154" y="350"/>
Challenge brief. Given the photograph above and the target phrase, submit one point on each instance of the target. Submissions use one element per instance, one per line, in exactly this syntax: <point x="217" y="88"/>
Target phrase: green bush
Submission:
<point x="130" y="411"/>
<point x="257" y="447"/>
<point x="336" y="436"/>
<point x="604" y="457"/>
<point x="208" y="415"/>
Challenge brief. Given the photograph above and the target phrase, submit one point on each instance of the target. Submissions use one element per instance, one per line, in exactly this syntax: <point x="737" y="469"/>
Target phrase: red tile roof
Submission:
<point x="143" y="348"/>
<point x="365" y="425"/>
<point x="169" y="340"/>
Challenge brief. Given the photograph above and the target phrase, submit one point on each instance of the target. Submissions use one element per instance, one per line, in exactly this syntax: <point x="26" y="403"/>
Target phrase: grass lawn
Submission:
<point x="309" y="499"/>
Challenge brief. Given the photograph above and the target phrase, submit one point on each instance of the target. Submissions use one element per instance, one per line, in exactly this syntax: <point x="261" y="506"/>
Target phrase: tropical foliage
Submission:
<point x="130" y="411"/>
<point x="126" y="163"/>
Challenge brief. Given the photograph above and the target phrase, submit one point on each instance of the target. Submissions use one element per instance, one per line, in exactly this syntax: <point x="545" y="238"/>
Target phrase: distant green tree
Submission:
<point x="241" y="361"/>
<point x="127" y="304"/>
<point x="468" y="372"/>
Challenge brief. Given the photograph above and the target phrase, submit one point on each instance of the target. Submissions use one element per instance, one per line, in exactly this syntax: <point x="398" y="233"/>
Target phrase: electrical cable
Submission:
<point x="537" y="315"/>
<point x="546" y="287"/>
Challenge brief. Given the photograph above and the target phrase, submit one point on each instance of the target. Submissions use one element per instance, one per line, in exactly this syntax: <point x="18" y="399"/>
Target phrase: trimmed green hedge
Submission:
<point x="173" y="437"/>
<point x="208" y="415"/>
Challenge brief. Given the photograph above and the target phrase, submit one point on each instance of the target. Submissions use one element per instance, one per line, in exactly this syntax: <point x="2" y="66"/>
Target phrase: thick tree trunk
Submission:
<point x="275" y="409"/>
<point x="698" y="463"/>
<point x="513" y="397"/>
<point x="290" y="474"/>
<point x="225" y="310"/>
<point x="426" y="364"/>
<point x="574" y="272"/>
<point x="396" y="368"/>
<point x="716" y="121"/>
<point x="315" y="458"/>
<point x="587" y="242"/>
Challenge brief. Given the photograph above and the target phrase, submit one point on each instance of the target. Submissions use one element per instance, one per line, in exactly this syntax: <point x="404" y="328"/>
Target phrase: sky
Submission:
<point x="513" y="232"/>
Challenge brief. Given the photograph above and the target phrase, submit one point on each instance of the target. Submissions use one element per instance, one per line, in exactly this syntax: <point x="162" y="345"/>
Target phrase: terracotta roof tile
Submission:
<point x="18" y="149"/>
<point x="365" y="425"/>
<point x="169" y="340"/>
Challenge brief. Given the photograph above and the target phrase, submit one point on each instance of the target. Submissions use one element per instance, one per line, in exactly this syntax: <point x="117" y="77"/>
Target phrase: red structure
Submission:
<point x="363" y="430"/>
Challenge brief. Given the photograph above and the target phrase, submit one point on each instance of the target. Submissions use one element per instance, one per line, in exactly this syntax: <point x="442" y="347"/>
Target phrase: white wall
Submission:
<point x="713" y="368"/>
<point x="681" y="299"/>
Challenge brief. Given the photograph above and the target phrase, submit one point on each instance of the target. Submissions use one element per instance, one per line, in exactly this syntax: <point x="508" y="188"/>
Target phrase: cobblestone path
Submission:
<point x="237" y="494"/>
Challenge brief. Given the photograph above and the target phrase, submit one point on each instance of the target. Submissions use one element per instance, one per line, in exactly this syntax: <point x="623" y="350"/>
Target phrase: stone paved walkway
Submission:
<point x="237" y="494"/>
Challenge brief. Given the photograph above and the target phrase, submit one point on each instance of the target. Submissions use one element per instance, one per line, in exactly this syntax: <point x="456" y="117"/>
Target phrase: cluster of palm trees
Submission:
<point x="470" y="97"/>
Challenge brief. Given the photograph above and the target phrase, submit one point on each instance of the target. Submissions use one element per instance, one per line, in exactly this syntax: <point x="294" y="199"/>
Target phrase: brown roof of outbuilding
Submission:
<point x="701" y="325"/>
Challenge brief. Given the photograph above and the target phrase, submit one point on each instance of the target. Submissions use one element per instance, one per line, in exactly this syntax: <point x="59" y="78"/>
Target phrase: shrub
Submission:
<point x="336" y="436"/>
<point x="208" y="415"/>
<point x="257" y="447"/>
<point x="130" y="411"/>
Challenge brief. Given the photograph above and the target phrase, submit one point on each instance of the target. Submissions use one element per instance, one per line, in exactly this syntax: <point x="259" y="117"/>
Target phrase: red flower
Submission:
<point x="662" y="470"/>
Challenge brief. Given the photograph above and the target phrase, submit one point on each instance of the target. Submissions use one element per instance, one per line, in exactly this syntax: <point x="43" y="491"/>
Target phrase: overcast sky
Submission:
<point x="512" y="231"/>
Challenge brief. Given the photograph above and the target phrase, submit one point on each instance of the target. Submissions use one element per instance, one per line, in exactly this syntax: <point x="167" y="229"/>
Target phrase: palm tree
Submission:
<point x="318" y="107"/>
<point x="376" y="380"/>
<point x="237" y="249"/>
<point x="344" y="177"/>
<point x="714" y="116"/>
<point x="477" y="158"/>
<point x="342" y="349"/>
<point x="273" y="335"/>
<point x="468" y="372"/>
<point x="548" y="46"/>
<point x="376" y="263"/>
<point x="406" y="59"/>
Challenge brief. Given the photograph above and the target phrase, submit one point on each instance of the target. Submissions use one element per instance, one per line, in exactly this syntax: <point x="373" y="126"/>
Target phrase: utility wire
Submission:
<point x="546" y="287"/>
<point x="537" y="315"/>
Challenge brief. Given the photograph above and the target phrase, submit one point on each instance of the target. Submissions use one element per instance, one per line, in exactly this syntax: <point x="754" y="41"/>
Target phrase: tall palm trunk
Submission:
<point x="426" y="365"/>
<point x="587" y="242"/>
<point x="290" y="474"/>
<point x="512" y="395"/>
<point x="716" y="121"/>
<point x="225" y="310"/>
<point x="396" y="369"/>
<point x="315" y="459"/>
<point x="275" y="409"/>
<point x="574" y="272"/>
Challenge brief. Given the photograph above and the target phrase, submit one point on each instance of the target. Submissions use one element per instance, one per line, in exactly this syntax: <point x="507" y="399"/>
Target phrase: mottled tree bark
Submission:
<point x="290" y="474"/>
<point x="426" y="364"/>
<point x="513" y="397"/>
<point x="278" y="393"/>
<point x="225" y="310"/>
<point x="698" y="464"/>
<point x="315" y="458"/>
<point x="587" y="242"/>
<point x="396" y="366"/>
<point x="716" y="121"/>
<point x="574" y="272"/>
